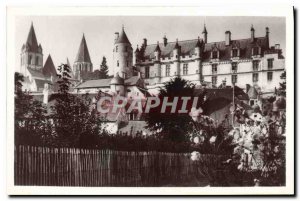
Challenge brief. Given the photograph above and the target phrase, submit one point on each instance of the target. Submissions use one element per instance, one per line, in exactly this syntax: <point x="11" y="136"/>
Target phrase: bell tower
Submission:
<point x="122" y="55"/>
<point x="31" y="53"/>
<point x="82" y="62"/>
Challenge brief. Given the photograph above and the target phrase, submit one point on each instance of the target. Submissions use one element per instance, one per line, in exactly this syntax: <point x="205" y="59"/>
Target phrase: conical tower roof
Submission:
<point x="83" y="54"/>
<point x="31" y="40"/>
<point x="122" y="37"/>
<point x="49" y="68"/>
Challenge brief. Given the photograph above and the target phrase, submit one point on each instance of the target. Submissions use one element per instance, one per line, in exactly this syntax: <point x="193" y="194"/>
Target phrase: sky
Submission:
<point x="60" y="36"/>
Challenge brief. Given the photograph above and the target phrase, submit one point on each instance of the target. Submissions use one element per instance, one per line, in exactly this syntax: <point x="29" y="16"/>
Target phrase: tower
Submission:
<point x="31" y="53"/>
<point x="82" y="62"/>
<point x="122" y="55"/>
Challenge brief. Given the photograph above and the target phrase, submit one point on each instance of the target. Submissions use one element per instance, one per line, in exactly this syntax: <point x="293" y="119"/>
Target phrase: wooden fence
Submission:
<point x="87" y="167"/>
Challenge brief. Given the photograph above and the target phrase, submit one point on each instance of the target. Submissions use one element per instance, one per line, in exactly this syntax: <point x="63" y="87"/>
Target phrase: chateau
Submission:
<point x="245" y="61"/>
<point x="250" y="64"/>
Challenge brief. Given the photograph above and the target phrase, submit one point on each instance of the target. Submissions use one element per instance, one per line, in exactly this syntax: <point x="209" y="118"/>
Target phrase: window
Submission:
<point x="234" y="67"/>
<point x="255" y="65"/>
<point x="185" y="69"/>
<point x="214" y="80"/>
<point x="234" y="79"/>
<point x="29" y="59"/>
<point x="36" y="60"/>
<point x="126" y="49"/>
<point x="147" y="72"/>
<point x="234" y="52"/>
<point x="255" y="51"/>
<point x="214" y="68"/>
<point x="127" y="63"/>
<point x="270" y="76"/>
<point x="118" y="63"/>
<point x="167" y="70"/>
<point x="215" y="54"/>
<point x="270" y="64"/>
<point x="255" y="77"/>
<point x="251" y="102"/>
<point x="116" y="48"/>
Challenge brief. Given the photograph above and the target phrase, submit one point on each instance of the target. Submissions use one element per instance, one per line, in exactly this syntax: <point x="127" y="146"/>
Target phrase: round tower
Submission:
<point x="117" y="85"/>
<point x="122" y="55"/>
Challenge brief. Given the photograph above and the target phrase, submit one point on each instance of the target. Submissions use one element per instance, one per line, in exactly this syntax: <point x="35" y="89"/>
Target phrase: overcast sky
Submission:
<point x="60" y="36"/>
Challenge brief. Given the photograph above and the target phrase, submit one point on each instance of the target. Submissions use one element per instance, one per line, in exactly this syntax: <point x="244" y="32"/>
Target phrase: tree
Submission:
<point x="103" y="69"/>
<point x="72" y="115"/>
<point x="30" y="116"/>
<point x="168" y="125"/>
<point x="282" y="87"/>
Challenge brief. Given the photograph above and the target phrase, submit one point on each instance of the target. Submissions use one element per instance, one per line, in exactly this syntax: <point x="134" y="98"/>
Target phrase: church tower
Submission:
<point x="122" y="55"/>
<point x="82" y="62"/>
<point x="31" y="53"/>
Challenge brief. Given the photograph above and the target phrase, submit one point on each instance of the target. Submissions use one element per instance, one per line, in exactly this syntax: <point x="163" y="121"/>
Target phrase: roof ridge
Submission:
<point x="206" y="43"/>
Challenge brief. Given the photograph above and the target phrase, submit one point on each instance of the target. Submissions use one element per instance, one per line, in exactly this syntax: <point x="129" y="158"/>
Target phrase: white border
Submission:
<point x="233" y="10"/>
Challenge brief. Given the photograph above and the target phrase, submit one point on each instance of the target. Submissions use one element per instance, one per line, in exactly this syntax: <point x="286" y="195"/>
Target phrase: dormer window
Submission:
<point x="235" y="52"/>
<point x="255" y="51"/>
<point x="214" y="54"/>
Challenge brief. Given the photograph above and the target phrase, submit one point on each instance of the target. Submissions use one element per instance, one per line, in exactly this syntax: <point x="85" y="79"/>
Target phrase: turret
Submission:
<point x="123" y="56"/>
<point x="204" y="32"/>
<point x="176" y="54"/>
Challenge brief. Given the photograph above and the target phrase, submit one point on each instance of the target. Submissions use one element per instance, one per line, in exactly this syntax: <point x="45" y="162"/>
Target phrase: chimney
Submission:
<point x="252" y="34"/>
<point x="116" y="36"/>
<point x="277" y="46"/>
<point x="145" y="42"/>
<point x="165" y="41"/>
<point x="227" y="38"/>
<point x="267" y="32"/>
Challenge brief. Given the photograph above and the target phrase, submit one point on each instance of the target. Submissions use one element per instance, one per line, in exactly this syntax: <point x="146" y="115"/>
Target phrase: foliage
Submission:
<point x="103" y="73"/>
<point x="282" y="87"/>
<point x="173" y="126"/>
<point x="73" y="116"/>
<point x="30" y="121"/>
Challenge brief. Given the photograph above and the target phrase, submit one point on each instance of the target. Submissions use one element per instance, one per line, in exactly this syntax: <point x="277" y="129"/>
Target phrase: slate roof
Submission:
<point x="132" y="80"/>
<point x="83" y="54"/>
<point x="49" y="68"/>
<point x="36" y="73"/>
<point x="187" y="48"/>
<point x="100" y="83"/>
<point x="122" y="38"/>
<point x="31" y="40"/>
